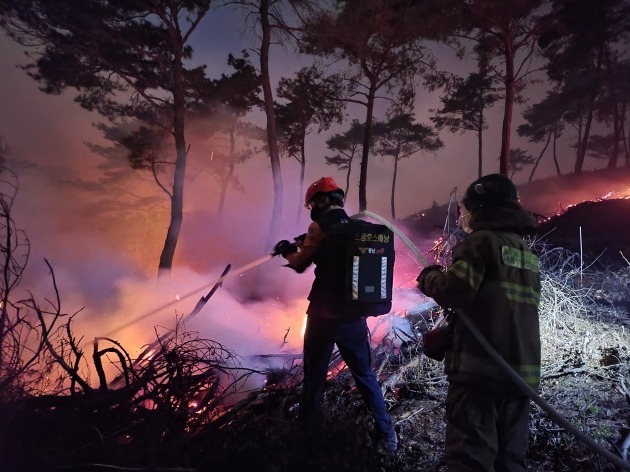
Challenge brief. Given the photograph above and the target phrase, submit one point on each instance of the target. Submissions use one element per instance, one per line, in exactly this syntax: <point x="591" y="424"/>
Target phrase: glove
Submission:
<point x="423" y="274"/>
<point x="435" y="342"/>
<point x="284" y="248"/>
<point x="299" y="239"/>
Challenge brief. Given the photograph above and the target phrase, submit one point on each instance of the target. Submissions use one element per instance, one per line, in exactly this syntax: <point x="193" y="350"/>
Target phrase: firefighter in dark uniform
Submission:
<point x="495" y="281"/>
<point x="327" y="323"/>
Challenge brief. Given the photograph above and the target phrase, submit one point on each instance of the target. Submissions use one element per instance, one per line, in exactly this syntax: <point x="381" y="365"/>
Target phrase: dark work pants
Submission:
<point x="352" y="340"/>
<point x="486" y="431"/>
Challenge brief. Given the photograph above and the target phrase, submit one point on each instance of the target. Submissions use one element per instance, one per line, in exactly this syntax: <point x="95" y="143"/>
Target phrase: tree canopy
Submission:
<point x="400" y="137"/>
<point x="124" y="59"/>
<point x="382" y="44"/>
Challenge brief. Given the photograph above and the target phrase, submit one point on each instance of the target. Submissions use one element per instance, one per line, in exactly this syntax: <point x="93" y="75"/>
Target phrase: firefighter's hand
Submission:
<point x="284" y="248"/>
<point x="435" y="342"/>
<point x="423" y="275"/>
<point x="299" y="240"/>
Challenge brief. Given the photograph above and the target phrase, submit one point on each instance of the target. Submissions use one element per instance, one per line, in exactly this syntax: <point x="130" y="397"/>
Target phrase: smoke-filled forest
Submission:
<point x="153" y="153"/>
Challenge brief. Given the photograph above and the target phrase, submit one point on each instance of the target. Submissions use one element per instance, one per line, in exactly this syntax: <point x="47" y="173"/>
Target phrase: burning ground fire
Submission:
<point x="620" y="194"/>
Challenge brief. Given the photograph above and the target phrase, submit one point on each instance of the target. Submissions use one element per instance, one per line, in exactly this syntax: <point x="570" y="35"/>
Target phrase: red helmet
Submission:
<point x="325" y="184"/>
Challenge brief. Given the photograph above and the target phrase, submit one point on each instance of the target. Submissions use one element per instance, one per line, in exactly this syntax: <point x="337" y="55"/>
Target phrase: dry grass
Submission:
<point x="585" y="338"/>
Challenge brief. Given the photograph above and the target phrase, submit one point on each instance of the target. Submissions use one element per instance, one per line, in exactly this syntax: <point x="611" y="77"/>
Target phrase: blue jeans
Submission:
<point x="351" y="337"/>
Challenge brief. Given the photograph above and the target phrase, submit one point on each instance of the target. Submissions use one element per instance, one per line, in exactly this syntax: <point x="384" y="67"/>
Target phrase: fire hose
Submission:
<point x="412" y="247"/>
<point x="526" y="389"/>
<point x="507" y="369"/>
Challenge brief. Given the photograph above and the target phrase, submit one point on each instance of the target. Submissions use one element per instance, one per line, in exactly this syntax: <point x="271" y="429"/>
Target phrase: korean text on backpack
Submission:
<point x="368" y="256"/>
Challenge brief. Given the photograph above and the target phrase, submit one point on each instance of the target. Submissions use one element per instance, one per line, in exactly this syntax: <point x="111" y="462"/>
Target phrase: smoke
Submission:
<point x="145" y="308"/>
<point x="105" y="267"/>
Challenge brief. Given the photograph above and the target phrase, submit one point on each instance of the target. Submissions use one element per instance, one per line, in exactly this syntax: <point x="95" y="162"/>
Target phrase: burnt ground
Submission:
<point x="599" y="230"/>
<point x="585" y="326"/>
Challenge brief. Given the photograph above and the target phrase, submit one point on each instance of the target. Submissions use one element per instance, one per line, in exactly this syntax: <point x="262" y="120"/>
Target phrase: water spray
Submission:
<point x="205" y="287"/>
<point x="217" y="283"/>
<point x="397" y="232"/>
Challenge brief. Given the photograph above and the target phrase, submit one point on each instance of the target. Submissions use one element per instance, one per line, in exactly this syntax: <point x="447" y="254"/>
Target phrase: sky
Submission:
<point x="105" y="264"/>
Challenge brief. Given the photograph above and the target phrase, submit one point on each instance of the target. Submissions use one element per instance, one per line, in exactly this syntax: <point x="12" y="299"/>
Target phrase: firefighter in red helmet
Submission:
<point x="327" y="322"/>
<point x="323" y="185"/>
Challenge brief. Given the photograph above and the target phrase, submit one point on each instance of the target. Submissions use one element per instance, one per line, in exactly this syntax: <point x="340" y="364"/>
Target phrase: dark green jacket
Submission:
<point x="495" y="280"/>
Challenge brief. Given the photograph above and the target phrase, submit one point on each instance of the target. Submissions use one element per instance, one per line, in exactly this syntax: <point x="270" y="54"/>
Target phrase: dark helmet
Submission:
<point x="323" y="185"/>
<point x="489" y="190"/>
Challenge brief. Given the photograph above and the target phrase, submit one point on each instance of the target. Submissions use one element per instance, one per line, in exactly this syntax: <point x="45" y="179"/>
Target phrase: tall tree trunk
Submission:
<point x="583" y="143"/>
<point x="302" y="173"/>
<point x="580" y="130"/>
<point x="614" y="157"/>
<point x="228" y="177"/>
<point x="504" y="158"/>
<point x="272" y="136"/>
<point x="177" y="197"/>
<point x="480" y="145"/>
<point x="531" y="175"/>
<point x="555" y="151"/>
<point x="627" y="135"/>
<point x="348" y="175"/>
<point x="624" y="137"/>
<point x="225" y="182"/>
<point x="367" y="137"/>
<point x="612" y="162"/>
<point x="393" y="196"/>
<point x="579" y="162"/>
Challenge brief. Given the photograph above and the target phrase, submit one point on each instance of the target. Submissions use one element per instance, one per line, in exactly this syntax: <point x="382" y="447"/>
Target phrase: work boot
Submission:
<point x="387" y="442"/>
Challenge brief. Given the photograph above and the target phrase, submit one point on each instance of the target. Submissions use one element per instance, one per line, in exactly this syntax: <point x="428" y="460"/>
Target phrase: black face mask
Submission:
<point x="317" y="212"/>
